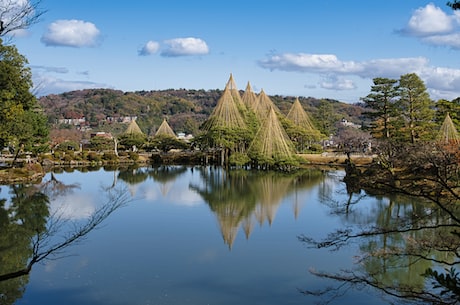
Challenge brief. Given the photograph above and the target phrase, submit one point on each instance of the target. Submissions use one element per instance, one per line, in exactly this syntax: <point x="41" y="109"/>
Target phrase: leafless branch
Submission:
<point x="19" y="15"/>
<point x="48" y="245"/>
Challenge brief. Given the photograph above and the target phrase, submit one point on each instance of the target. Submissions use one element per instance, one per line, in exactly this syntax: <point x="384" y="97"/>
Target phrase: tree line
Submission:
<point x="402" y="111"/>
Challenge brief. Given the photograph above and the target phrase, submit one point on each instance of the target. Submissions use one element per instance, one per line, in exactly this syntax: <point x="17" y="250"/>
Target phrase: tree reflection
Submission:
<point x="20" y="220"/>
<point x="166" y="175"/>
<point x="241" y="198"/>
<point x="31" y="233"/>
<point x="399" y="238"/>
<point x="133" y="175"/>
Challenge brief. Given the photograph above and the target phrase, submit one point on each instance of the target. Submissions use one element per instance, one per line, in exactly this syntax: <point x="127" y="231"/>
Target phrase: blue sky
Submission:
<point x="323" y="49"/>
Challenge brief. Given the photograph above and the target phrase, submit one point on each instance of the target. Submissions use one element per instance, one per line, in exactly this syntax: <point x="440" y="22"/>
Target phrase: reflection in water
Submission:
<point x="21" y="219"/>
<point x="396" y="235"/>
<point x="240" y="198"/>
<point x="33" y="229"/>
<point x="166" y="175"/>
<point x="166" y="237"/>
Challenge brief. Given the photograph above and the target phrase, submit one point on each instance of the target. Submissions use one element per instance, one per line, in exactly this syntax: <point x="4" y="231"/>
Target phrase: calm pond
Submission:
<point x="184" y="235"/>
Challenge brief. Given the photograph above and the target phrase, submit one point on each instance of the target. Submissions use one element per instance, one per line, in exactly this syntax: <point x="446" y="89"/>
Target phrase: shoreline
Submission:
<point x="335" y="159"/>
<point x="34" y="170"/>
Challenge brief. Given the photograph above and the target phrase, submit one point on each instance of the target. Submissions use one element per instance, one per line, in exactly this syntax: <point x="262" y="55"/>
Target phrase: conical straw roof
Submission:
<point x="249" y="97"/>
<point x="448" y="132"/>
<point x="264" y="105"/>
<point x="300" y="117"/>
<point x="271" y="140"/>
<point x="133" y="128"/>
<point x="165" y="130"/>
<point x="231" y="86"/>
<point x="225" y="114"/>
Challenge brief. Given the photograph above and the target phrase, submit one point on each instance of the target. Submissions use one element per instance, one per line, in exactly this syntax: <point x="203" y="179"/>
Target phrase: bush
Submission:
<point x="239" y="159"/>
<point x="68" y="158"/>
<point x="57" y="155"/>
<point x="110" y="156"/>
<point x="93" y="156"/>
<point x="315" y="148"/>
<point x="133" y="156"/>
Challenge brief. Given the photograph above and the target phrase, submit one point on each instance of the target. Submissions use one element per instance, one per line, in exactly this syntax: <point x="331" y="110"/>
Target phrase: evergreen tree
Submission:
<point x="416" y="108"/>
<point x="22" y="123"/>
<point x="381" y="105"/>
<point x="326" y="118"/>
<point x="444" y="107"/>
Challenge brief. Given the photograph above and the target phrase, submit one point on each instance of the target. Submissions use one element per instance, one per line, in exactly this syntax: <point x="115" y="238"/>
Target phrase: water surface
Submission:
<point x="194" y="235"/>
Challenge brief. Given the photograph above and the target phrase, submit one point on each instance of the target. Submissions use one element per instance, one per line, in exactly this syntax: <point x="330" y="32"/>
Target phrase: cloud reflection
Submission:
<point x="73" y="207"/>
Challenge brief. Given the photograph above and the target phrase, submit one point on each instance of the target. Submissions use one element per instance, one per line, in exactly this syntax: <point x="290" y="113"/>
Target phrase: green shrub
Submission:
<point x="110" y="156"/>
<point x="133" y="156"/>
<point x="94" y="157"/>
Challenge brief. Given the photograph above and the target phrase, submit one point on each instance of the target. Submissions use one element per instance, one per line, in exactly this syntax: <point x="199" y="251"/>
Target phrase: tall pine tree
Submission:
<point x="416" y="108"/>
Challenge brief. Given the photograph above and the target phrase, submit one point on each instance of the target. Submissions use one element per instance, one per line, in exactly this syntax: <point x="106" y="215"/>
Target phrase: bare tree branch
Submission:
<point x="19" y="15"/>
<point x="46" y="245"/>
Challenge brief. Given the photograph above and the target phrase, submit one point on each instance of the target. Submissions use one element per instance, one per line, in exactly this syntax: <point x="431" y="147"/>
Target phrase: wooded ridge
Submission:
<point x="185" y="109"/>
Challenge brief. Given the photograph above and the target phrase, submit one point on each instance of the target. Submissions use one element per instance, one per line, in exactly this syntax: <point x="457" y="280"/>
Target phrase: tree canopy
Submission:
<point x="22" y="122"/>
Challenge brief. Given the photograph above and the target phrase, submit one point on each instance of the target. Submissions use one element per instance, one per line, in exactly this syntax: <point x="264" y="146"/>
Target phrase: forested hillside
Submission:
<point x="184" y="109"/>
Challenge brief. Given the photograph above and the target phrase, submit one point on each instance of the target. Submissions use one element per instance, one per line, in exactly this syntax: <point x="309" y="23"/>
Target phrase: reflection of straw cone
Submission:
<point x="248" y="226"/>
<point x="165" y="188"/>
<point x="133" y="189"/>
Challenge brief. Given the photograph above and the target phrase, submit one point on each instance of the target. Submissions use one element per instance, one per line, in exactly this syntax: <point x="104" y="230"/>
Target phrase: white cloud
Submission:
<point x="390" y="67"/>
<point x="328" y="63"/>
<point x="333" y="82"/>
<point x="71" y="33"/>
<point x="73" y="207"/>
<point x="434" y="27"/>
<point x="151" y="47"/>
<point x="429" y="20"/>
<point x="451" y="40"/>
<point x="302" y="62"/>
<point x="441" y="82"/>
<point x="185" y="47"/>
<point x="46" y="84"/>
<point x="61" y="70"/>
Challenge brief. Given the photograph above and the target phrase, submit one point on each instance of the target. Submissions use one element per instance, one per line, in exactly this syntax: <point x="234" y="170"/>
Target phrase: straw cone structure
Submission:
<point x="133" y="128"/>
<point x="249" y="98"/>
<point x="225" y="114"/>
<point x="271" y="141"/>
<point x="231" y="86"/>
<point x="300" y="117"/>
<point x="448" y="133"/>
<point x="165" y="130"/>
<point x="264" y="105"/>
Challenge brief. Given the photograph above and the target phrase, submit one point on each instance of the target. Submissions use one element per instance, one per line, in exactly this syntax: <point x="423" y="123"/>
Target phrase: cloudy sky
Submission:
<point x="323" y="49"/>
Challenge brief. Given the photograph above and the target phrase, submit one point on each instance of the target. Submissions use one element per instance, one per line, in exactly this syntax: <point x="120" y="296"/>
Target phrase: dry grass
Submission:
<point x="336" y="159"/>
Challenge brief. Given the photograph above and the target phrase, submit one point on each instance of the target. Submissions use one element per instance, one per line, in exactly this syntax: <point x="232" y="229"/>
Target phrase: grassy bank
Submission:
<point x="336" y="159"/>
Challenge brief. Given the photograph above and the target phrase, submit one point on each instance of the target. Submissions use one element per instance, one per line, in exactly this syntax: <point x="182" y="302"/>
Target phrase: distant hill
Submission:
<point x="185" y="110"/>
